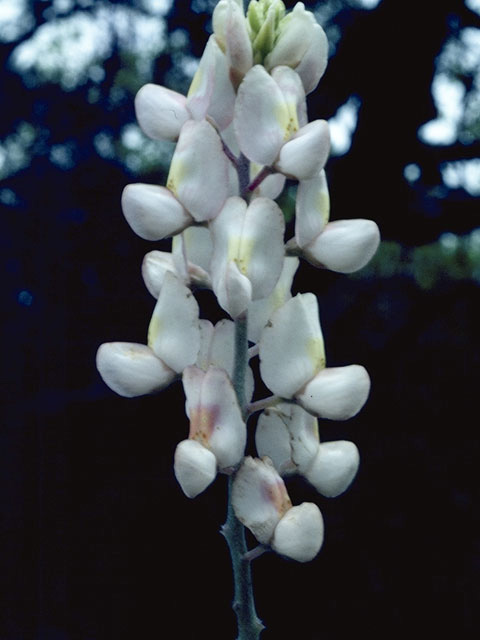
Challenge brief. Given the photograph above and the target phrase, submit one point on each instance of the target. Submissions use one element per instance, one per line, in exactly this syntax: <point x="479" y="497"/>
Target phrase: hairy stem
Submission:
<point x="249" y="625"/>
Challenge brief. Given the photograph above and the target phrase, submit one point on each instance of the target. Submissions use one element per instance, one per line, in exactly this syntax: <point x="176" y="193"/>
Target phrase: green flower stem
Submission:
<point x="249" y="625"/>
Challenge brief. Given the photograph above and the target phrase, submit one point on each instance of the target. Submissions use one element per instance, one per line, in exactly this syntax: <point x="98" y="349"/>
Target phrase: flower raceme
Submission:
<point x="240" y="133"/>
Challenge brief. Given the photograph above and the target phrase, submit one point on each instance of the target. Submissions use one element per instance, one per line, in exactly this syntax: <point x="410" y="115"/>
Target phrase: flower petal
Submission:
<point x="230" y="28"/>
<point x="211" y="92"/>
<point x="259" y="311"/>
<point x="296" y="31"/>
<point x="174" y="333"/>
<point x="215" y="417"/>
<point x="261" y="117"/>
<point x="299" y="534"/>
<point x="154" y="267"/>
<point x="334" y="467"/>
<point x="261" y="251"/>
<point x="153" y="212"/>
<point x="344" y="245"/>
<point x="312" y="209"/>
<point x="336" y="393"/>
<point x="288" y="435"/>
<point x="259" y="497"/>
<point x="218" y="349"/>
<point x="132" y="369"/>
<point x="247" y="247"/>
<point x="160" y="112"/>
<point x="305" y="155"/>
<point x="314" y="61"/>
<point x="293" y="92"/>
<point x="201" y="186"/>
<point x="238" y="291"/>
<point x="291" y="346"/>
<point x="195" y="467"/>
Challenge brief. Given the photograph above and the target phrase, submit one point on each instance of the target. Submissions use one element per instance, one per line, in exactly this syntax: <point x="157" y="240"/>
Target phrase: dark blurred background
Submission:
<point x="97" y="541"/>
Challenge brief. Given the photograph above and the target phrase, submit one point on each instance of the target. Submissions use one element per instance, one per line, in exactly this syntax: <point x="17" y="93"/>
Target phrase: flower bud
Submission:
<point x="132" y="369"/>
<point x="299" y="534"/>
<point x="302" y="45"/>
<point x="195" y="467"/>
<point x="248" y="252"/>
<point x="161" y="112"/>
<point x="230" y="29"/>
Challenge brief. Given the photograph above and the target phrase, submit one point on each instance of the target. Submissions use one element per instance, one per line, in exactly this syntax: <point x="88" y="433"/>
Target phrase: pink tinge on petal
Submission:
<point x="202" y="423"/>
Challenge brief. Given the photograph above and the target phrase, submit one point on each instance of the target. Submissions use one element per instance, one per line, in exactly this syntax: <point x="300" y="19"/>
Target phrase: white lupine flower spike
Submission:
<point x="242" y="135"/>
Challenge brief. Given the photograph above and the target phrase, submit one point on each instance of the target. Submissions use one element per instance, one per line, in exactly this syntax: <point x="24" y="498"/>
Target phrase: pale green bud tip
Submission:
<point x="263" y="19"/>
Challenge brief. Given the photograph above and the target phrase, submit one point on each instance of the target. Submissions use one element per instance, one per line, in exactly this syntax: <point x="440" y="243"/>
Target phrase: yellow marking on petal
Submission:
<point x="154" y="329"/>
<point x="322" y="205"/>
<point x="196" y="82"/>
<point x="316" y="352"/>
<point x="240" y="249"/>
<point x="176" y="175"/>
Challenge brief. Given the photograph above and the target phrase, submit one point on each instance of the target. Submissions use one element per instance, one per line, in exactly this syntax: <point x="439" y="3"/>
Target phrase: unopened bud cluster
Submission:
<point x="241" y="131"/>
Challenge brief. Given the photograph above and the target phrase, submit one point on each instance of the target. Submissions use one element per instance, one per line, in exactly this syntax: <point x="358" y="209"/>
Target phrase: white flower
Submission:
<point x="288" y="435"/>
<point x="132" y="369"/>
<point x="269" y="111"/>
<point x="261" y="502"/>
<point x="292" y="363"/>
<point x="248" y="252"/>
<point x="216" y="425"/>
